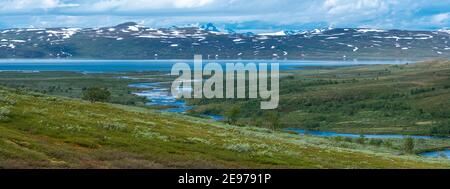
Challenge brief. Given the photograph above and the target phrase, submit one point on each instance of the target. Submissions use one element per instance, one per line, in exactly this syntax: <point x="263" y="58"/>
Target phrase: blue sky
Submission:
<point x="241" y="15"/>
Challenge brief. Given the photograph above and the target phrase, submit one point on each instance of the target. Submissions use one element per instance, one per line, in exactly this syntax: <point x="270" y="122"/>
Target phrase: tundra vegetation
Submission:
<point x="44" y="123"/>
<point x="378" y="99"/>
<point x="56" y="132"/>
<point x="96" y="94"/>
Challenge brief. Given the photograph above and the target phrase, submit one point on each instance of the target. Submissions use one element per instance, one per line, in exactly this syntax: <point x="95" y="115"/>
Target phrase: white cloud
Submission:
<point x="440" y="18"/>
<point x="25" y="5"/>
<point x="259" y="13"/>
<point x="135" y="5"/>
<point x="191" y="3"/>
<point x="338" y="7"/>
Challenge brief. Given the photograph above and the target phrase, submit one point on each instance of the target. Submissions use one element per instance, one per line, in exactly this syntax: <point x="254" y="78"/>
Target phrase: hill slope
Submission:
<point x="382" y="99"/>
<point x="38" y="131"/>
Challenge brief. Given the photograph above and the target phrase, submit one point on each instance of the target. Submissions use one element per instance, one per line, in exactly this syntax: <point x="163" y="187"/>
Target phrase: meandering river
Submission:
<point x="336" y="134"/>
<point x="435" y="154"/>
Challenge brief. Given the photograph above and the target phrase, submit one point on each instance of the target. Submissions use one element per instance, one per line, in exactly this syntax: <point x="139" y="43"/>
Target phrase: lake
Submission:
<point x="99" y="66"/>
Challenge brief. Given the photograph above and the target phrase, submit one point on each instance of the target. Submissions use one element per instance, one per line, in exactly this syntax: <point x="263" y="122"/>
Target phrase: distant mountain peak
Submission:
<point x="182" y="41"/>
<point x="230" y="31"/>
<point x="210" y="27"/>
<point x="126" y="25"/>
<point x="444" y="30"/>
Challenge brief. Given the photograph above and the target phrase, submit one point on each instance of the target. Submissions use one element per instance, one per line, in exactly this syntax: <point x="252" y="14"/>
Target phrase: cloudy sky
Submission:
<point x="255" y="15"/>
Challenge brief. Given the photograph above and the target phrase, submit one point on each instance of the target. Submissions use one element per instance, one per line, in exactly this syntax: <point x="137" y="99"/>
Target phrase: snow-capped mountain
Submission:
<point x="210" y="27"/>
<point x="133" y="41"/>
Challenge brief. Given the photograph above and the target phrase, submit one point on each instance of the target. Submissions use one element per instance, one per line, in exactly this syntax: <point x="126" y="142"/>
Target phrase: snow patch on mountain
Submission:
<point x="447" y="31"/>
<point x="18" y="41"/>
<point x="33" y="29"/>
<point x="133" y="28"/>
<point x="65" y="33"/>
<point x="279" y="33"/>
<point x="365" y="30"/>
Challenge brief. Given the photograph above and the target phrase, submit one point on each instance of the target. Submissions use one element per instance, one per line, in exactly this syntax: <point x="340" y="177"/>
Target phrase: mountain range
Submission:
<point x="133" y="41"/>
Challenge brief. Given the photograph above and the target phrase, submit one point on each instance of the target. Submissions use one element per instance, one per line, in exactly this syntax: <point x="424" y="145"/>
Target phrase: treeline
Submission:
<point x="441" y="128"/>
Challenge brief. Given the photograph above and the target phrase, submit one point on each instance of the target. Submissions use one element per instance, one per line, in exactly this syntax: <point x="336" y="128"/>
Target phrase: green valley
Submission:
<point x="381" y="99"/>
<point x="41" y="131"/>
<point x="45" y="124"/>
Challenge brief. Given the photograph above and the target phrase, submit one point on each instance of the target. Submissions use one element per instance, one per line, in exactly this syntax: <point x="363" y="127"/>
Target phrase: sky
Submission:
<point x="239" y="15"/>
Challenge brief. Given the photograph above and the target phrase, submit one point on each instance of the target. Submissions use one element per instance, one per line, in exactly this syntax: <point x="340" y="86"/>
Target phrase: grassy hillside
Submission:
<point x="71" y="84"/>
<point x="407" y="99"/>
<point x="39" y="131"/>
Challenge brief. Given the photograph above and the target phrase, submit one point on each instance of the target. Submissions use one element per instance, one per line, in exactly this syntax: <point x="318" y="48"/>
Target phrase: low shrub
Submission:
<point x="7" y="100"/>
<point x="338" y="139"/>
<point x="441" y="129"/>
<point x="347" y="139"/>
<point x="96" y="94"/>
<point x="199" y="140"/>
<point x="147" y="134"/>
<point x="113" y="126"/>
<point x="388" y="144"/>
<point x="375" y="142"/>
<point x="408" y="145"/>
<point x="4" y="113"/>
<point x="239" y="147"/>
<point x="361" y="139"/>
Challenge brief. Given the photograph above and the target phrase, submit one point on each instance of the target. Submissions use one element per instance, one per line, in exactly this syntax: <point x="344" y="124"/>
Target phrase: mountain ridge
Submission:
<point x="133" y="41"/>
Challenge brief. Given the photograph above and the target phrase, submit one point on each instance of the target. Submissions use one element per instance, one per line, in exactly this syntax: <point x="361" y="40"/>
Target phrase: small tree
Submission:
<point x="408" y="145"/>
<point x="233" y="114"/>
<point x="361" y="139"/>
<point x="96" y="94"/>
<point x="273" y="118"/>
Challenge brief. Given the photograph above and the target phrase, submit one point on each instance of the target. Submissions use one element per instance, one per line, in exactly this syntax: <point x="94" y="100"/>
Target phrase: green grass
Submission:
<point x="41" y="131"/>
<point x="71" y="84"/>
<point x="400" y="99"/>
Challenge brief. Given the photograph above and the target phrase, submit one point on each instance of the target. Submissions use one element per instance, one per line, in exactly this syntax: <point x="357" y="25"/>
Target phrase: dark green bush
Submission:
<point x="408" y="145"/>
<point x="375" y="142"/>
<point x="96" y="94"/>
